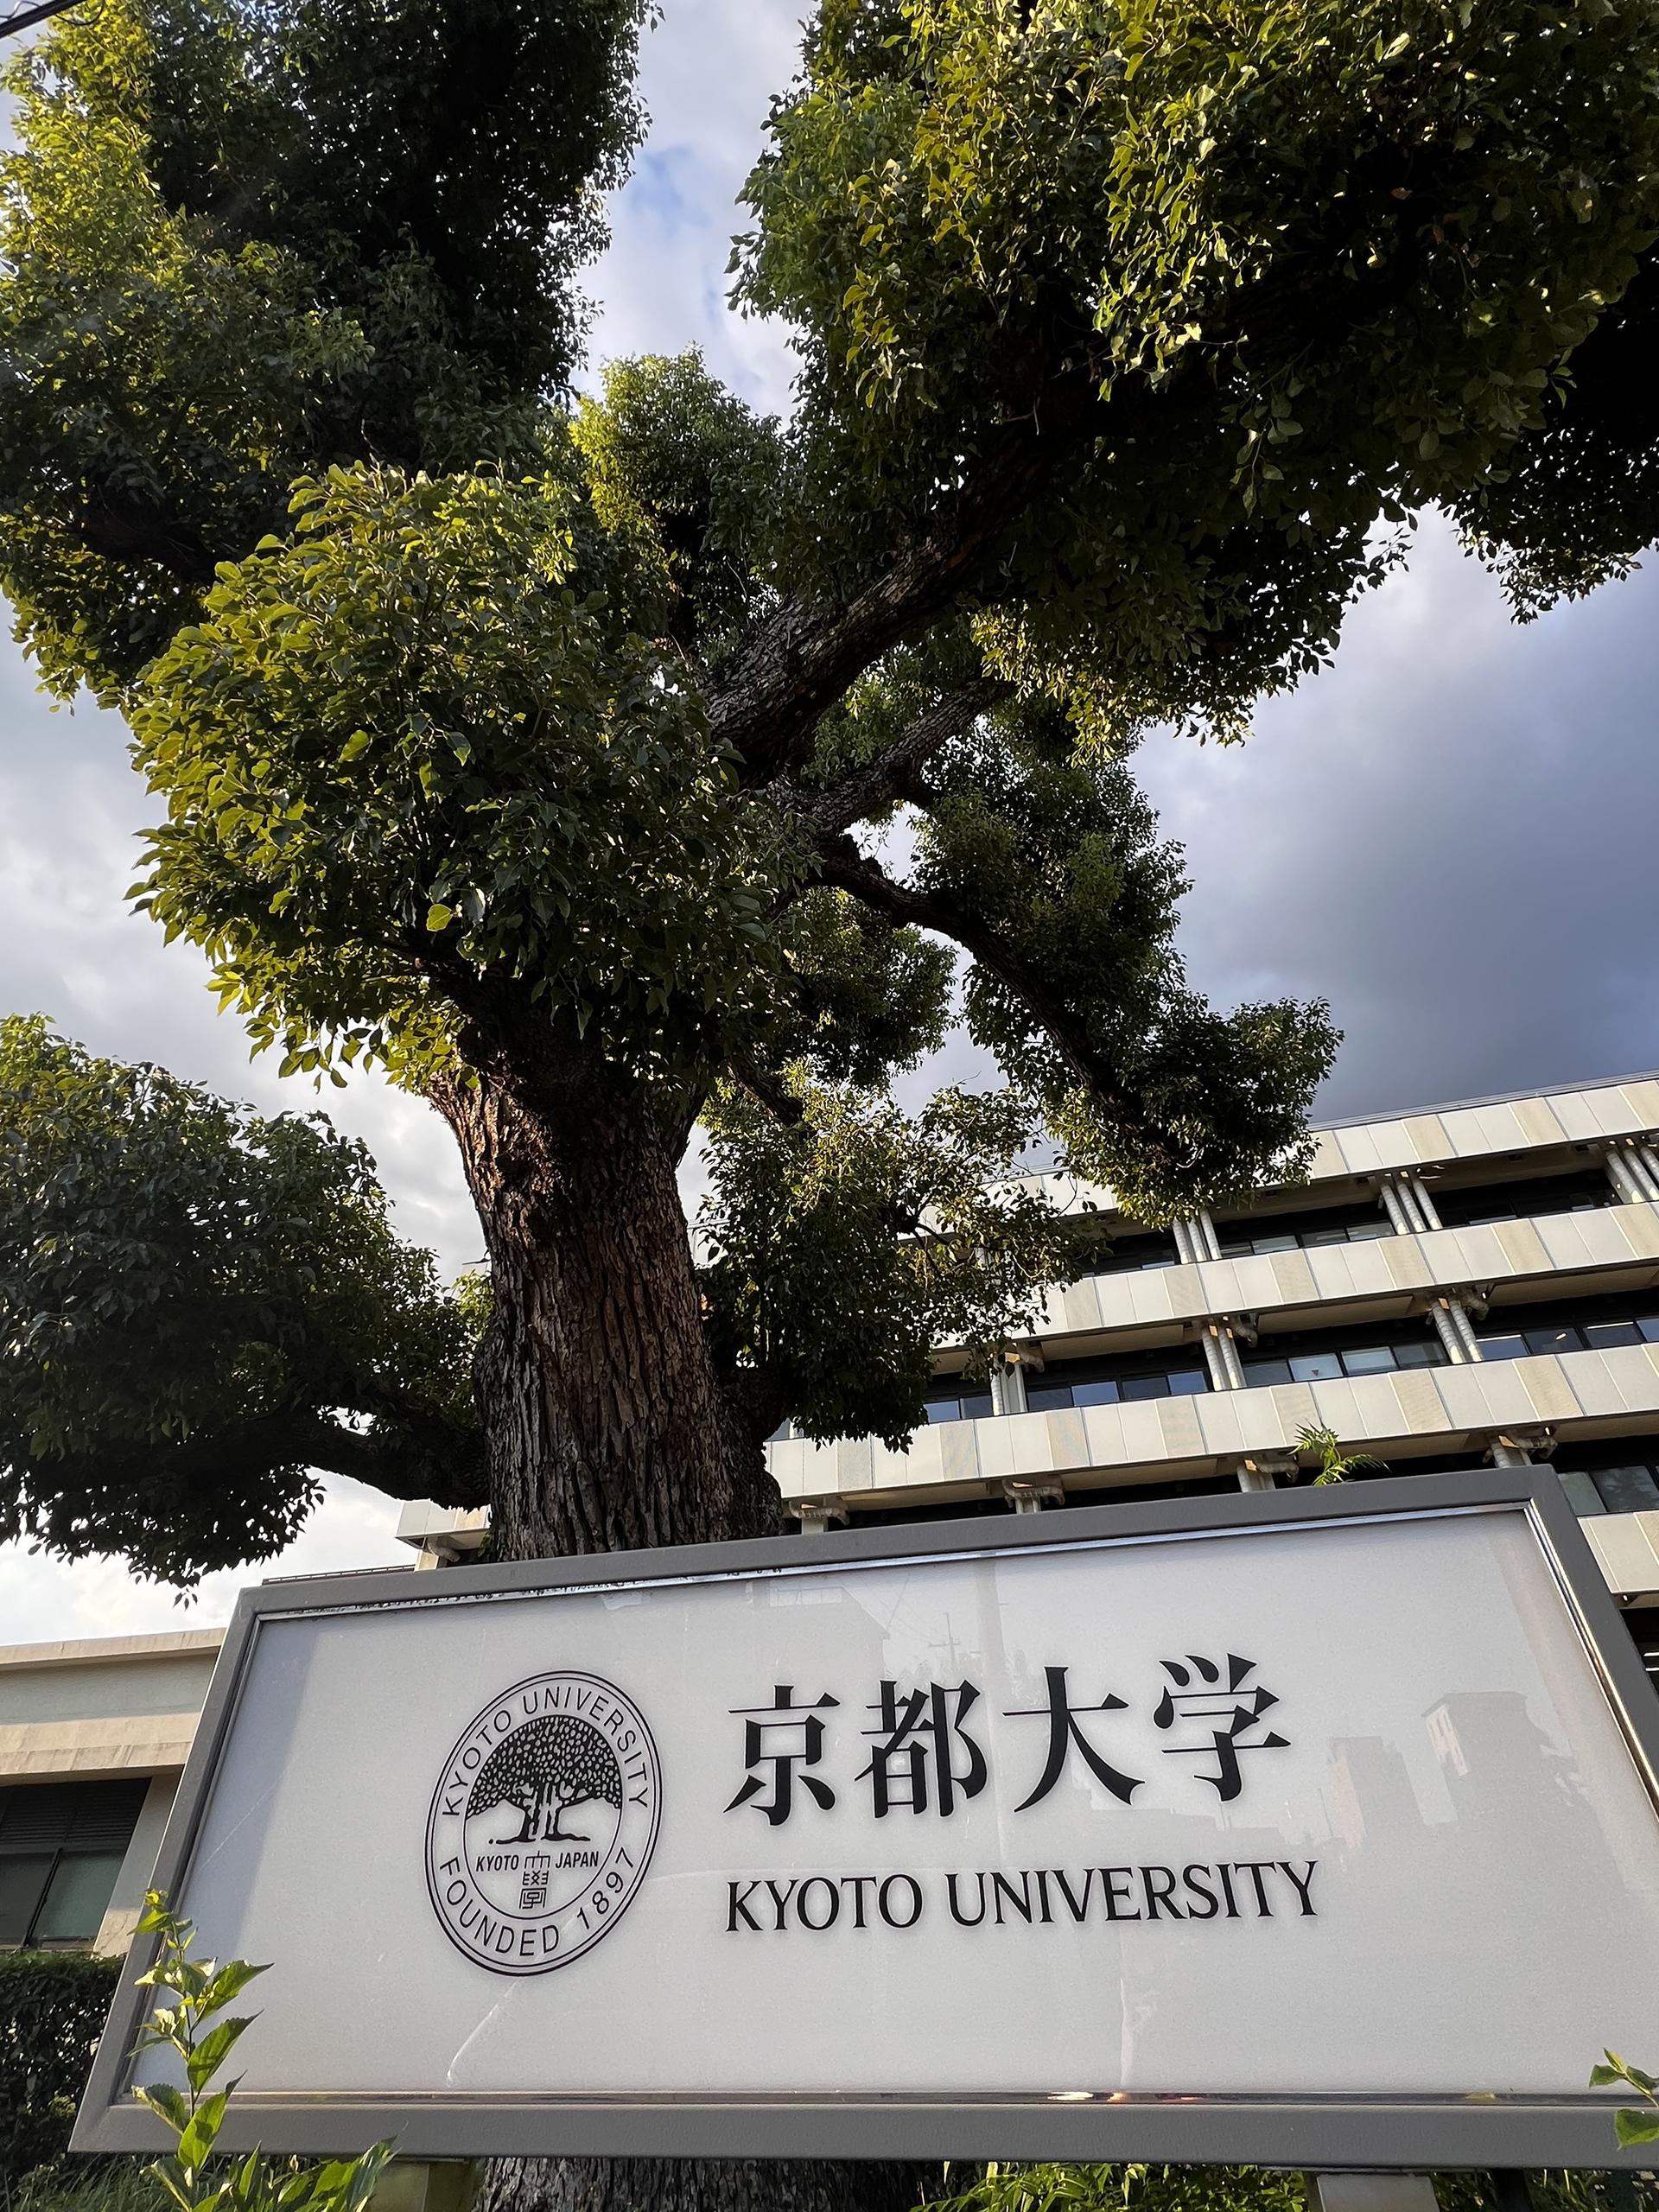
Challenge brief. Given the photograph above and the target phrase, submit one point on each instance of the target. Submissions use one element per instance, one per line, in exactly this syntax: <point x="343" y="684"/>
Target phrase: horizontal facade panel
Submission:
<point x="1444" y="1407"/>
<point x="1385" y="1266"/>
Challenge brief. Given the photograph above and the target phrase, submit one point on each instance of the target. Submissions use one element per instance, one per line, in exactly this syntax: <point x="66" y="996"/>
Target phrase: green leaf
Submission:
<point x="1636" y="2126"/>
<point x="213" y="2049"/>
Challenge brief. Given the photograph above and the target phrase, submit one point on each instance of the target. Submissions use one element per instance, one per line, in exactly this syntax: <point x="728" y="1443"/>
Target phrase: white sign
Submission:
<point x="1310" y="1805"/>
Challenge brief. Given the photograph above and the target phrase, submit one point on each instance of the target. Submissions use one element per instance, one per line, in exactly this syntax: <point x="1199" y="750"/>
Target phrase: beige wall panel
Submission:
<point x="1429" y="1137"/>
<point x="1052" y="1441"/>
<point x="1292" y="1279"/>
<point x="1521" y="1246"/>
<point x="1327" y="1155"/>
<point x="1626" y="1546"/>
<point x="1357" y="1147"/>
<point x="1081" y="1303"/>
<point x="114" y="1688"/>
<point x="83" y="1750"/>
<point x="1638" y="1225"/>
<point x="1489" y="1394"/>
<point x="1548" y="1383"/>
<point x="1178" y="1423"/>
<point x="1105" y="1444"/>
<point x="1538" y="1120"/>
<point x="1220" y="1416"/>
<point x="1422" y="1409"/>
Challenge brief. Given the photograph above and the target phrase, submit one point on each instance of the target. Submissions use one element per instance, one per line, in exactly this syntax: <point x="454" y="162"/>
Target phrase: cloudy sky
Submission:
<point x="1448" y="835"/>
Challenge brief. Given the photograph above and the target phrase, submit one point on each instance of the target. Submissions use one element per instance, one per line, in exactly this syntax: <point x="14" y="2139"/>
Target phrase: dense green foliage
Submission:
<point x="198" y="1308"/>
<point x="52" y="2009"/>
<point x="1016" y="2188"/>
<point x="633" y="748"/>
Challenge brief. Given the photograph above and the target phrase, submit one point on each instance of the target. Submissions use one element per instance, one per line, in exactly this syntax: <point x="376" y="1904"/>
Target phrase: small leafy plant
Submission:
<point x="1635" y="2125"/>
<point x="197" y="2178"/>
<point x="1335" y="1464"/>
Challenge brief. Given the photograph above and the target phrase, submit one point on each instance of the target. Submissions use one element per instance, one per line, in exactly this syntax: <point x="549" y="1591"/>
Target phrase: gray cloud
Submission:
<point x="1448" y="835"/>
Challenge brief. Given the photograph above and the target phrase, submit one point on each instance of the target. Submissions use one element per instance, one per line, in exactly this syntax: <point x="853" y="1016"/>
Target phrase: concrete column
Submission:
<point x="1266" y="1470"/>
<point x="1205" y="1241"/>
<point x="1185" y="1249"/>
<point x="1645" y="1152"/>
<point x="1620" y="1174"/>
<point x="1007" y="1386"/>
<point x="1424" y="1201"/>
<point x="818" y="1515"/>
<point x="1455" y="1330"/>
<point x="1033" y="1495"/>
<point x="1221" y="1356"/>
<point x="1394" y="1205"/>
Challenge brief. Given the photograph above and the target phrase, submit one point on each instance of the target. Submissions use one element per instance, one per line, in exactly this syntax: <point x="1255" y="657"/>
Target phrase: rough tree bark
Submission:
<point x="609" y="1427"/>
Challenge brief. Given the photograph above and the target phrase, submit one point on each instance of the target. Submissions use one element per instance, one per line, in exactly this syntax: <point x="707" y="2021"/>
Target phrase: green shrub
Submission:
<point x="52" y="2009"/>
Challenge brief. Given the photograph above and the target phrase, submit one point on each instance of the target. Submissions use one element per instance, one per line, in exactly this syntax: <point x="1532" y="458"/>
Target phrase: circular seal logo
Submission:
<point x="543" y="1822"/>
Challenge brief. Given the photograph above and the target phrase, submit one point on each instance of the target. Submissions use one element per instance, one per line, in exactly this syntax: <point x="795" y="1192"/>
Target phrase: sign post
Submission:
<point x="1316" y="1828"/>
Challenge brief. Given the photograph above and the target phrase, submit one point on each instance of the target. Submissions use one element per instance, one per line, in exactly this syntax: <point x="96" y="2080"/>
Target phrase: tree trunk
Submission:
<point x="607" y="1428"/>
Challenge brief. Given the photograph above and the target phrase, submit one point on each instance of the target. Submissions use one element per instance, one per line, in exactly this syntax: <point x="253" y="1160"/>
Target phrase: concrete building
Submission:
<point x="1474" y="1283"/>
<point x="92" y="1740"/>
<point x="1471" y="1284"/>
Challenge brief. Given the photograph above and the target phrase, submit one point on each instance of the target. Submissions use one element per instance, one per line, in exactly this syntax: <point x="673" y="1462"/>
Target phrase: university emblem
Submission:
<point x="543" y="1822"/>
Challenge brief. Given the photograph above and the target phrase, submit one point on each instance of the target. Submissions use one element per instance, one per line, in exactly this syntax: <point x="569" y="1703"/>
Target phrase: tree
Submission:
<point x="544" y="1768"/>
<point x="602" y="767"/>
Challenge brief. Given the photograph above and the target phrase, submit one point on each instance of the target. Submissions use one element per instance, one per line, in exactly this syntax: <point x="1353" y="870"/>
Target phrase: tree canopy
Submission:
<point x="627" y="747"/>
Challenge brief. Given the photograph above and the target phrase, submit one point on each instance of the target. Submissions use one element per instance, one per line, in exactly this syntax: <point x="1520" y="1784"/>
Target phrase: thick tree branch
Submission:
<point x="844" y="866"/>
<point x="425" y="1457"/>
<point x="770" y="696"/>
<point x="889" y="778"/>
<point x="765" y="1086"/>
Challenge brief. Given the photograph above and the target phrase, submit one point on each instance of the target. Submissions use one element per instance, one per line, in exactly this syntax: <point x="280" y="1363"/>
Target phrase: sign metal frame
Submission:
<point x="1324" y="2132"/>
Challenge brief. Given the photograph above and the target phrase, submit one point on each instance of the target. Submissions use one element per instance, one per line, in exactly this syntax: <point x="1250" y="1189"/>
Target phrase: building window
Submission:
<point x="62" y="1845"/>
<point x="1126" y="1380"/>
<point x="1569" y="1335"/>
<point x="1475" y="1204"/>
<point x="1128" y="1255"/>
<point x="954" y="1401"/>
<point x="1332" y="1365"/>
<point x="1628" y="1489"/>
<point x="1241" y="1240"/>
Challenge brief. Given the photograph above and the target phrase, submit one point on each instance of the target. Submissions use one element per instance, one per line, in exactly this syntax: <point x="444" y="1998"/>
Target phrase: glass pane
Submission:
<point x="1369" y="1359"/>
<point x="1311" y="1236"/>
<point x="1628" y="1490"/>
<point x="1103" y="1393"/>
<point x="1275" y="1239"/>
<point x="1236" y="1249"/>
<point x="1423" y="1355"/>
<point x="76" y="1900"/>
<point x="1551" y="1340"/>
<point x="1361" y="1232"/>
<point x="1504" y="1347"/>
<point x="1649" y="1325"/>
<point x="1602" y="1336"/>
<point x="21" y="1880"/>
<point x="1582" y="1495"/>
<point x="1259" y="1373"/>
<point x="943" y="1409"/>
<point x="1187" y="1383"/>
<point x="1316" y="1367"/>
<point x="976" y="1406"/>
<point x="1144" y="1386"/>
<point x="1044" y="1397"/>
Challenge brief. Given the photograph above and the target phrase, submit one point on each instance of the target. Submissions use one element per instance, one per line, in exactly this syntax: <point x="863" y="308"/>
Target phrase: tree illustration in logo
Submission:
<point x="544" y="1769"/>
